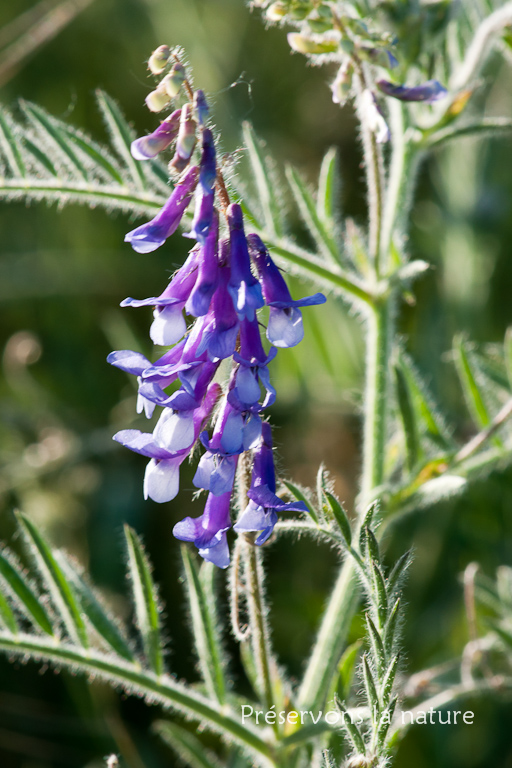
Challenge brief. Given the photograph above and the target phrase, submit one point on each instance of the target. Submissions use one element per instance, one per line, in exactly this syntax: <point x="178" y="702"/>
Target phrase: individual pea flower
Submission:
<point x="234" y="433"/>
<point x="150" y="146"/>
<point x="169" y="325"/>
<point x="205" y="195"/>
<point x="208" y="532"/>
<point x="200" y="298"/>
<point x="427" y="92"/>
<point x="243" y="287"/>
<point x="285" y="327"/>
<point x="372" y="114"/>
<point x="261" y="512"/>
<point x="158" y="59"/>
<point x="221" y="332"/>
<point x="186" y="140"/>
<point x="161" y="480"/>
<point x="252" y="371"/>
<point x="150" y="236"/>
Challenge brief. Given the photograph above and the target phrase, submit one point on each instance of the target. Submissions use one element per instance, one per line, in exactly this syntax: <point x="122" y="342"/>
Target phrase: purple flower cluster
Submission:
<point x="227" y="277"/>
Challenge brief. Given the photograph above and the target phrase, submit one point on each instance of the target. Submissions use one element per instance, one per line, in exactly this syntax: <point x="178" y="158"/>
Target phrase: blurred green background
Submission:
<point x="63" y="274"/>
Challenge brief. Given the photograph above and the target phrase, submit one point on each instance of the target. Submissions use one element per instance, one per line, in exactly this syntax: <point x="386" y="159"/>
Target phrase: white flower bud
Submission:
<point x="158" y="59"/>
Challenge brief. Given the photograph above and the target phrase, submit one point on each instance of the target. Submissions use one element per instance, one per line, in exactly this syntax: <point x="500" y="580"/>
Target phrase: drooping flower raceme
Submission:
<point x="226" y="280"/>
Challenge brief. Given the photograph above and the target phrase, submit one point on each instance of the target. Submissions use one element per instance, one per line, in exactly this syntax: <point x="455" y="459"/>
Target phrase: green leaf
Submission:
<point x="307" y="208"/>
<point x="265" y="184"/>
<point x="145" y="601"/>
<point x="371" y="689"/>
<point x="377" y="646"/>
<point x="367" y="521"/>
<point x="372" y="545"/>
<point x="7" y="617"/>
<point x="10" y="147"/>
<point x="204" y="624"/>
<point x="385" y="722"/>
<point x="104" y="624"/>
<point x="122" y="137"/>
<point x="391" y="627"/>
<point x="50" y="134"/>
<point x="428" y="414"/>
<point x="468" y="376"/>
<point x="351" y="729"/>
<point x="187" y="746"/>
<point x="486" y="127"/>
<point x="407" y="415"/>
<point x="162" y="690"/>
<point x="300" y="496"/>
<point x="398" y="571"/>
<point x="329" y="188"/>
<point x="379" y="585"/>
<point x="389" y="679"/>
<point x="29" y="602"/>
<point x="58" y="587"/>
<point x="340" y="516"/>
<point x="98" y="155"/>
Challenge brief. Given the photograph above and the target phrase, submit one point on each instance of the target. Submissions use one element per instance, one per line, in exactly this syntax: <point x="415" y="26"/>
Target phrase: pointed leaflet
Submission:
<point x="9" y="146"/>
<point x="351" y="729"/>
<point x="299" y="496"/>
<point x="340" y="516"/>
<point x="187" y="746"/>
<point x="122" y="137"/>
<point x="427" y="412"/>
<point x="328" y="190"/>
<point x="378" y="652"/>
<point x="469" y="379"/>
<point x="265" y="184"/>
<point x="25" y="598"/>
<point x="58" y="587"/>
<point x="99" y="157"/>
<point x="51" y="135"/>
<point x="104" y="624"/>
<point x="204" y="624"/>
<point x="486" y="127"/>
<point x="7" y="617"/>
<point x="145" y="600"/>
<point x="408" y="417"/>
<point x="307" y="208"/>
<point x="372" y="696"/>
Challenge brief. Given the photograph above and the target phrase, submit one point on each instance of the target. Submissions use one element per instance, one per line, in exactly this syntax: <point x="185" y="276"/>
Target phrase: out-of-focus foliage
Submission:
<point x="63" y="274"/>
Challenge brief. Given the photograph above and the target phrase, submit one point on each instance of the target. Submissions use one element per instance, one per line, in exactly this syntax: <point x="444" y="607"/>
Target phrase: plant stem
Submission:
<point x="379" y="334"/>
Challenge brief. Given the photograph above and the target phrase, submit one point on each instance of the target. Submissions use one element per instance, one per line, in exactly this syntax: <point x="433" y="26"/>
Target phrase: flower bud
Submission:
<point x="174" y="80"/>
<point x="299" y="13"/>
<point x="186" y="140"/>
<point x="157" y="100"/>
<point x="200" y="107"/>
<point x="342" y="84"/>
<point x="303" y="44"/>
<point x="158" y="59"/>
<point x="319" y="25"/>
<point x="276" y="12"/>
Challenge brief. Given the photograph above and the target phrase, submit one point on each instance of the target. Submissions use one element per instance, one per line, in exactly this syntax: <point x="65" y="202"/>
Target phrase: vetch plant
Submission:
<point x="213" y="384"/>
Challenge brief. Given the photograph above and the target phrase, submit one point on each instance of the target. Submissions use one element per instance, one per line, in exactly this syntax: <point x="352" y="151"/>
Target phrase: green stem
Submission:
<point x="258" y="621"/>
<point x="379" y="334"/>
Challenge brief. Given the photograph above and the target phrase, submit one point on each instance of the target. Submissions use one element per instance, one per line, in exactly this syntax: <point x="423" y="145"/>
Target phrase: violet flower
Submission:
<point x="150" y="236"/>
<point x="208" y="532"/>
<point x="427" y="92"/>
<point x="243" y="287"/>
<point x="261" y="512"/>
<point x="161" y="480"/>
<point x="150" y="146"/>
<point x="285" y="327"/>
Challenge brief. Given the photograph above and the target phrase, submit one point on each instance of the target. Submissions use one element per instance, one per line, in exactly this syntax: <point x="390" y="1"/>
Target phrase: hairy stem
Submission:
<point x="378" y="338"/>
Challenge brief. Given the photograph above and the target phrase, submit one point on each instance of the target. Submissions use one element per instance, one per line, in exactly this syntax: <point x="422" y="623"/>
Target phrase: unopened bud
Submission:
<point x="186" y="140"/>
<point x="320" y="25"/>
<point x="276" y="12"/>
<point x="157" y="99"/>
<point x="174" y="80"/>
<point x="200" y="107"/>
<point x="342" y="84"/>
<point x="158" y="59"/>
<point x="303" y="44"/>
